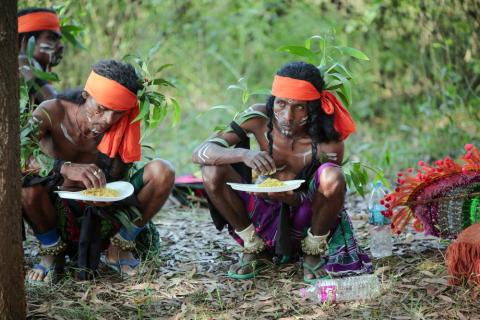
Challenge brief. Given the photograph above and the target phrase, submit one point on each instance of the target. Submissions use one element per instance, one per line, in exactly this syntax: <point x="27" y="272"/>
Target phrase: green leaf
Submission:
<point x="155" y="97"/>
<point x="301" y="52"/>
<point x="352" y="52"/>
<point x="220" y="128"/>
<point x="308" y="42"/>
<point x="176" y="112"/>
<point x="333" y="85"/>
<point x="342" y="97"/>
<point x="71" y="28"/>
<point x="340" y="68"/>
<point x="234" y="87"/>
<point x="245" y="96"/>
<point x="156" y="117"/>
<point x="347" y="92"/>
<point x="162" y="67"/>
<point x="161" y="82"/>
<point x="345" y="88"/>
<point x="30" y="48"/>
<point x="44" y="75"/>
<point x="67" y="35"/>
<point x="144" y="109"/>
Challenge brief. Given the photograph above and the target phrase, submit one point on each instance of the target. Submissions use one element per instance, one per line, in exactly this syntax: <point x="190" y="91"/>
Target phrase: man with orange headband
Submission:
<point x="44" y="26"/>
<point x="93" y="137"/>
<point x="300" y="133"/>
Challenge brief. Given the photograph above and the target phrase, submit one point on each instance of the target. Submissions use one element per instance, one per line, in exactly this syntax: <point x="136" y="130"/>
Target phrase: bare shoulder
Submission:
<point x="253" y="118"/>
<point x="259" y="107"/>
<point x="53" y="108"/>
<point x="49" y="112"/>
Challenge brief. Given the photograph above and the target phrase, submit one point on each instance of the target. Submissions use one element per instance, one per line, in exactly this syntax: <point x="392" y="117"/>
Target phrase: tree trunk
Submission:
<point x="12" y="294"/>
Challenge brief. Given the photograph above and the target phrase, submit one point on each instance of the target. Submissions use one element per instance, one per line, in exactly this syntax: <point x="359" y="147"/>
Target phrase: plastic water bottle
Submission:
<point x="380" y="234"/>
<point x="362" y="287"/>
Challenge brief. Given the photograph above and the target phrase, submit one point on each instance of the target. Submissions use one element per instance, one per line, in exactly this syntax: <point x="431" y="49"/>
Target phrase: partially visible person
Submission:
<point x="44" y="26"/>
<point x="91" y="134"/>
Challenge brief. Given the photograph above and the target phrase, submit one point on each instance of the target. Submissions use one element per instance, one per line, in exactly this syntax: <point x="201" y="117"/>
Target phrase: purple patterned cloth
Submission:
<point x="344" y="254"/>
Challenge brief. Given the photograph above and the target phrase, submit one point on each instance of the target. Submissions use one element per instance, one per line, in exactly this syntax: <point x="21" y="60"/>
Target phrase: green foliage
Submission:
<point x="154" y="105"/>
<point x="29" y="144"/>
<point x="318" y="50"/>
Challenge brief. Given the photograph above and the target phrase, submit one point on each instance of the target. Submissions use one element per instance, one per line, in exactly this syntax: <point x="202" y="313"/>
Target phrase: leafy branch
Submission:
<point x="320" y="51"/>
<point x="154" y="104"/>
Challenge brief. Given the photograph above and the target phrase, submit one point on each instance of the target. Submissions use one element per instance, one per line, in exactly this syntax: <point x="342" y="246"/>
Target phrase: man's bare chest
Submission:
<point x="290" y="156"/>
<point x="63" y="143"/>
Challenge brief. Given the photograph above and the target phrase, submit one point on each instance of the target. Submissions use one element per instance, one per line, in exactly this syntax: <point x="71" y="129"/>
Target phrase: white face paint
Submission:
<point x="303" y="121"/>
<point x="286" y="133"/>
<point x="48" y="49"/>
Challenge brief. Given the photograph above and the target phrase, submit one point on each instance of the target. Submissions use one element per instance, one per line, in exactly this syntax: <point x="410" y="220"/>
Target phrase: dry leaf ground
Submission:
<point x="187" y="281"/>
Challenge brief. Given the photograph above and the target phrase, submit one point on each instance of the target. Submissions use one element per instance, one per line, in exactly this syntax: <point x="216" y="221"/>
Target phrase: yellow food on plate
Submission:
<point x="101" y="192"/>
<point x="270" y="182"/>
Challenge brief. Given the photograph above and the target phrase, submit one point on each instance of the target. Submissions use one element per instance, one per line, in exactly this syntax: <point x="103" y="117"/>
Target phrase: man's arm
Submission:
<point x="42" y="117"/>
<point x="211" y="153"/>
<point x="46" y="92"/>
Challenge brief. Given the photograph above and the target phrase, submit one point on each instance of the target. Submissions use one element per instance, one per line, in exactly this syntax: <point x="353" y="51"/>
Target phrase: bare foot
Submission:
<point x="39" y="274"/>
<point x="115" y="254"/>
<point x="313" y="261"/>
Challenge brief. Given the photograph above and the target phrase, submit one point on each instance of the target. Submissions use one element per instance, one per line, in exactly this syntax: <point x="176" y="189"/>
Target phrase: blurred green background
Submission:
<point x="416" y="99"/>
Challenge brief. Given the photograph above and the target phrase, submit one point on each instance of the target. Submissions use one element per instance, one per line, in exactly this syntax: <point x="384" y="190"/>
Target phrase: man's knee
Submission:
<point x="32" y="197"/>
<point x="332" y="182"/>
<point x="213" y="177"/>
<point x="160" y="171"/>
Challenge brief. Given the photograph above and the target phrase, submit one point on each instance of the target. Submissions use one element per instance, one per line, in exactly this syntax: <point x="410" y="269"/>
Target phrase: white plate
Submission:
<point x="289" y="185"/>
<point x="125" y="189"/>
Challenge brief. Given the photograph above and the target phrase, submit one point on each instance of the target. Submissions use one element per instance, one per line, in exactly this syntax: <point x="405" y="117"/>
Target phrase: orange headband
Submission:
<point x="123" y="138"/>
<point x="290" y="88"/>
<point x="38" y="21"/>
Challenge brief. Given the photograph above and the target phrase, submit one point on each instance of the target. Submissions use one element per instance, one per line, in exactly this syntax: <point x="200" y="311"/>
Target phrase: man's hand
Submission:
<point x="88" y="174"/>
<point x="260" y="161"/>
<point x="288" y="197"/>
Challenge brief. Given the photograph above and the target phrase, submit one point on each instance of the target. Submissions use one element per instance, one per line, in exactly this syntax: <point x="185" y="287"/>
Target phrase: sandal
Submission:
<point x="117" y="266"/>
<point x="45" y="271"/>
<point x="312" y="270"/>
<point x="257" y="265"/>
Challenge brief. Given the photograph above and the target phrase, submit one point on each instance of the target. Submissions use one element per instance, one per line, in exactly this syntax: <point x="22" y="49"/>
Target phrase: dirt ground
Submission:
<point x="188" y="281"/>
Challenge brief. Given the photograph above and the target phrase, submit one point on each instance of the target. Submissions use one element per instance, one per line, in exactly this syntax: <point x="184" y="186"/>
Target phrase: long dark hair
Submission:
<point x="319" y="124"/>
<point x="118" y="71"/>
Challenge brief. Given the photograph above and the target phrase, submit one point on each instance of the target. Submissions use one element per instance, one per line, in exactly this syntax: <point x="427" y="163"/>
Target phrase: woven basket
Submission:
<point x="459" y="212"/>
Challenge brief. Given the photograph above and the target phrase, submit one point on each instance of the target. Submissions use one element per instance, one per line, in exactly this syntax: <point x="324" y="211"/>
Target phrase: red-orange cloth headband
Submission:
<point x="123" y="138"/>
<point x="290" y="88"/>
<point x="38" y="21"/>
